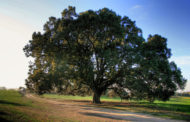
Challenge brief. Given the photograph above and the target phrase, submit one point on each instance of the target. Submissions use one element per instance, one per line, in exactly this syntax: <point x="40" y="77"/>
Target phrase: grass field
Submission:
<point x="88" y="98"/>
<point x="10" y="103"/>
<point x="175" y="108"/>
<point x="14" y="107"/>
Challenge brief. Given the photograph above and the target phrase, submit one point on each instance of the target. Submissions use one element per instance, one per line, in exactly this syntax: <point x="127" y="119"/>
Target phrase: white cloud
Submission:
<point x="136" y="7"/>
<point x="138" y="12"/>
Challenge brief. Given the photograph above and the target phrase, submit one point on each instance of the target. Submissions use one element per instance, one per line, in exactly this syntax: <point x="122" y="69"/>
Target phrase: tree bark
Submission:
<point x="96" y="97"/>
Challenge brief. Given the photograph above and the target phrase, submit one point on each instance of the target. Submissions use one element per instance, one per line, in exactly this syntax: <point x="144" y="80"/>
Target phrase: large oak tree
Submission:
<point x="96" y="50"/>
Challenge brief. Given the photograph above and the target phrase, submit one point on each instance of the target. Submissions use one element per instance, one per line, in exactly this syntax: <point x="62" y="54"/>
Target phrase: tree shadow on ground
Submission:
<point x="175" y="111"/>
<point x="158" y="106"/>
<point x="10" y="103"/>
<point x="3" y="119"/>
<point x="101" y="115"/>
<point x="83" y="101"/>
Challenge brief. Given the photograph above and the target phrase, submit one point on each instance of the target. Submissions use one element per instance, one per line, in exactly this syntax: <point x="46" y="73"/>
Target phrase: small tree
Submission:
<point x="22" y="91"/>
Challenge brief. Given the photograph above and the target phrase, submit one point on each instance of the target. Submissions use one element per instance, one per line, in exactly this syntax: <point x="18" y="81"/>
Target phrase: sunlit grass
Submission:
<point x="88" y="98"/>
<point x="67" y="97"/>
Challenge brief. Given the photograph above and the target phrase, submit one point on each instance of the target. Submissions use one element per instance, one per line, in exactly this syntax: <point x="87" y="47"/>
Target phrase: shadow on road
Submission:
<point x="102" y="115"/>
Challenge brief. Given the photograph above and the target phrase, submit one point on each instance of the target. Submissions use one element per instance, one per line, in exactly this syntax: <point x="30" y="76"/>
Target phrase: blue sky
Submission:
<point x="20" y="18"/>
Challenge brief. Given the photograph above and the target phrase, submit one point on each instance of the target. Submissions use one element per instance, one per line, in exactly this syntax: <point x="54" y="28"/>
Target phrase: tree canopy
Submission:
<point x="93" y="51"/>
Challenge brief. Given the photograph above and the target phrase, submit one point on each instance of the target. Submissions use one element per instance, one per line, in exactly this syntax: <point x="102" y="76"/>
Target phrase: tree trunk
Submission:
<point x="96" y="97"/>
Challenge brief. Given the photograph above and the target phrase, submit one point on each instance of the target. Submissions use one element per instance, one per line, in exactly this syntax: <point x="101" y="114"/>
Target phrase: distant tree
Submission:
<point x="3" y="88"/>
<point x="22" y="90"/>
<point x="122" y="93"/>
<point x="185" y="94"/>
<point x="93" y="51"/>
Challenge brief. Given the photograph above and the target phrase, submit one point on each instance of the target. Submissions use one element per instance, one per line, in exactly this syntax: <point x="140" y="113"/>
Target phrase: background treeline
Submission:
<point x="185" y="94"/>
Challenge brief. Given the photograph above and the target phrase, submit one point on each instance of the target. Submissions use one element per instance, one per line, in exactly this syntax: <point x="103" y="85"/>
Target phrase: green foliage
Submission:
<point x="92" y="51"/>
<point x="154" y="77"/>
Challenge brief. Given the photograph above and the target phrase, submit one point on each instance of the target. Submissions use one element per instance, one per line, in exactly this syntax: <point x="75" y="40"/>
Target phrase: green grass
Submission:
<point x="16" y="108"/>
<point x="66" y="97"/>
<point x="87" y="98"/>
<point x="10" y="102"/>
<point x="175" y="108"/>
<point x="181" y="104"/>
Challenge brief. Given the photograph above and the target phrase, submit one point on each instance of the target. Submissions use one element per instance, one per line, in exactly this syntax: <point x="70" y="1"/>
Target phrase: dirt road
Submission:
<point x="85" y="111"/>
